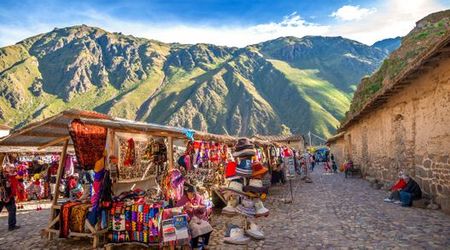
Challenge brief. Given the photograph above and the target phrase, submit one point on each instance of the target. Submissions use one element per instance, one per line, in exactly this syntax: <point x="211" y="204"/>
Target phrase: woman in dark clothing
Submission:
<point x="411" y="192"/>
<point x="277" y="173"/>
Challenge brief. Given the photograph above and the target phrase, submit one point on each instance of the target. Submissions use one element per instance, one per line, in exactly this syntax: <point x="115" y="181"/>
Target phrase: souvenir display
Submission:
<point x="245" y="185"/>
<point x="140" y="157"/>
<point x="134" y="221"/>
<point x="209" y="159"/>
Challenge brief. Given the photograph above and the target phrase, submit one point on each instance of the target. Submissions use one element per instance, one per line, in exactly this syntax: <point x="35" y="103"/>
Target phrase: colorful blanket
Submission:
<point x="136" y="222"/>
<point x="89" y="142"/>
<point x="78" y="217"/>
<point x="64" y="218"/>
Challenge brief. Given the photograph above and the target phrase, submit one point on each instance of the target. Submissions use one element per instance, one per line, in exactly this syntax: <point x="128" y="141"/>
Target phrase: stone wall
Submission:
<point x="410" y="132"/>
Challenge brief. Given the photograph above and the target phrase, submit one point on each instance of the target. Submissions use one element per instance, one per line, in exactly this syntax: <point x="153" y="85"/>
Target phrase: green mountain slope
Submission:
<point x="296" y="84"/>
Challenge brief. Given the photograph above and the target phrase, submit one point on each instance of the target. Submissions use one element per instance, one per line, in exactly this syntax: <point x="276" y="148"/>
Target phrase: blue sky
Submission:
<point x="232" y="23"/>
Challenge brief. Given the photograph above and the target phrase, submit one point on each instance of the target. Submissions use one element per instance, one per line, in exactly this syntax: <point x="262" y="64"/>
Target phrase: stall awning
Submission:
<point x="54" y="131"/>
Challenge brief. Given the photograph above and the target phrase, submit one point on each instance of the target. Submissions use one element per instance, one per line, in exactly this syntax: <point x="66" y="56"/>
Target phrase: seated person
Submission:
<point x="277" y="173"/>
<point x="196" y="209"/>
<point x="411" y="191"/>
<point x="395" y="189"/>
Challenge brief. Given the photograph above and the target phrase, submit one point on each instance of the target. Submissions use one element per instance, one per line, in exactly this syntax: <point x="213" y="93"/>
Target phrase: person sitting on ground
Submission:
<point x="411" y="191"/>
<point x="195" y="207"/>
<point x="394" y="194"/>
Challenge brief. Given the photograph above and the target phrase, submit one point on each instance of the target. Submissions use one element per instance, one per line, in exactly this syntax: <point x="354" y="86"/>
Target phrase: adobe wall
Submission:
<point x="337" y="149"/>
<point x="411" y="132"/>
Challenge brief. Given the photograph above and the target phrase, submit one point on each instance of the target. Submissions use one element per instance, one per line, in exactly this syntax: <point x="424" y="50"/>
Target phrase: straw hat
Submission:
<point x="235" y="186"/>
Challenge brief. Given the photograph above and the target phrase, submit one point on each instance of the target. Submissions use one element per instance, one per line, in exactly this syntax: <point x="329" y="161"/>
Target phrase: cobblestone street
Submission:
<point x="332" y="212"/>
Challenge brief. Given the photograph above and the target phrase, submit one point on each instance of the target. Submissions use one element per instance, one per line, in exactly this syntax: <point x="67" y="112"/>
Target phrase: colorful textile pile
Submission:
<point x="78" y="217"/>
<point x="64" y="218"/>
<point x="135" y="222"/>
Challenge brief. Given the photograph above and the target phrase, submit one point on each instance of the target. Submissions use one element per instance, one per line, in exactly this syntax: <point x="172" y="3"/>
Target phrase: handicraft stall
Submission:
<point x="137" y="183"/>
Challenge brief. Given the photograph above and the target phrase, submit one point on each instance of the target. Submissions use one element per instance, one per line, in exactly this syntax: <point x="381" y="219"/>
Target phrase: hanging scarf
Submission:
<point x="130" y="155"/>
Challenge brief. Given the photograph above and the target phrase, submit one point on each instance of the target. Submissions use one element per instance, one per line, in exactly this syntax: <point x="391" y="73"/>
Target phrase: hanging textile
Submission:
<point x="173" y="185"/>
<point x="138" y="157"/>
<point x="130" y="155"/>
<point x="69" y="166"/>
<point x="89" y="142"/>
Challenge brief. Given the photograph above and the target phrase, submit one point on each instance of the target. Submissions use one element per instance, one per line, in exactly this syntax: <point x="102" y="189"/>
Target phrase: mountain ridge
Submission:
<point x="258" y="89"/>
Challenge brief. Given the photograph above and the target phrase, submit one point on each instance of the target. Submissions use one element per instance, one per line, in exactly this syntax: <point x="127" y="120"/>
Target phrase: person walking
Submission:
<point x="8" y="188"/>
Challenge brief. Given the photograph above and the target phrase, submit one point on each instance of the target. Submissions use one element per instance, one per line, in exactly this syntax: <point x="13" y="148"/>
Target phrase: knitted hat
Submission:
<point x="248" y="152"/>
<point x="243" y="143"/>
<point x="230" y="170"/>
<point x="258" y="170"/>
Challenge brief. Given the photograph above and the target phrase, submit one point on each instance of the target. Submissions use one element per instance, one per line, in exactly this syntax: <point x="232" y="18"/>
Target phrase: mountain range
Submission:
<point x="285" y="85"/>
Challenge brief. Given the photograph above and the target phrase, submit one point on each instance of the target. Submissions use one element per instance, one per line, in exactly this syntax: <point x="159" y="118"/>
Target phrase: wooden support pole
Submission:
<point x="58" y="180"/>
<point x="170" y="152"/>
<point x="41" y="134"/>
<point x="59" y="173"/>
<point x="2" y="159"/>
<point x="110" y="146"/>
<point x="54" y="142"/>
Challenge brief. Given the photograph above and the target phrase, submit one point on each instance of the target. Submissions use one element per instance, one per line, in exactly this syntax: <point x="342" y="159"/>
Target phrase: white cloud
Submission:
<point x="231" y="35"/>
<point x="392" y="18"/>
<point x="350" y="12"/>
<point x="291" y="25"/>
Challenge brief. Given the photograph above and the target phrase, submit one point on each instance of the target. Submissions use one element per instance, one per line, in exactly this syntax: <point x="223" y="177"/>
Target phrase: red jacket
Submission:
<point x="11" y="186"/>
<point x="399" y="185"/>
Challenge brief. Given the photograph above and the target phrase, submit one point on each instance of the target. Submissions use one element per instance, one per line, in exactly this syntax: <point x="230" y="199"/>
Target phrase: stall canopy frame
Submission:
<point x="54" y="130"/>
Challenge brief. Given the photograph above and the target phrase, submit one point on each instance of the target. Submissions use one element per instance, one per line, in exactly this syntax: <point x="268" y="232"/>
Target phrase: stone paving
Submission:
<point x="330" y="213"/>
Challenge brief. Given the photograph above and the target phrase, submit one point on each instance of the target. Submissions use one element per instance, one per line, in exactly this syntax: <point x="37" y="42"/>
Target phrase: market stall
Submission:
<point x="35" y="171"/>
<point x="136" y="162"/>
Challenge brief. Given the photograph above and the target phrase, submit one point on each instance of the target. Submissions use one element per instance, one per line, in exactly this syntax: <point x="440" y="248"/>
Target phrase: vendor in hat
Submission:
<point x="192" y="202"/>
<point x="196" y="209"/>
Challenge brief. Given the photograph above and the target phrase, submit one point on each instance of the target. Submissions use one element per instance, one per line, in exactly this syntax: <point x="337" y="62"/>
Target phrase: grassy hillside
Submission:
<point x="287" y="84"/>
